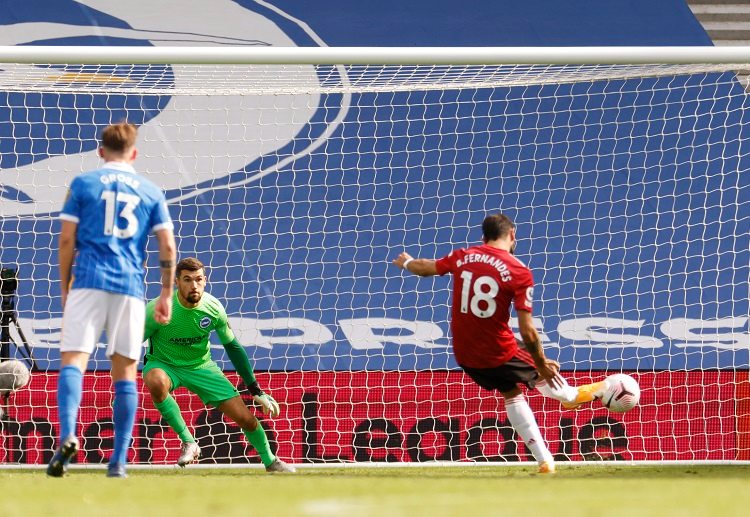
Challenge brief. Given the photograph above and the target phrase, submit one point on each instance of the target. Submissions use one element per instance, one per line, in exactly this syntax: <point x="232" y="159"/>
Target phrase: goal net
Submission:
<point x="298" y="184"/>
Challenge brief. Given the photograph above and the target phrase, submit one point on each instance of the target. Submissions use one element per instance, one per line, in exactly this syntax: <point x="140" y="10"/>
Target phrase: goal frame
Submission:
<point x="376" y="55"/>
<point x="628" y="55"/>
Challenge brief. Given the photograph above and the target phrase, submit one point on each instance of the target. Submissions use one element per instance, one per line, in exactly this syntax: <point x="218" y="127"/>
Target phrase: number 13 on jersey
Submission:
<point x="112" y="201"/>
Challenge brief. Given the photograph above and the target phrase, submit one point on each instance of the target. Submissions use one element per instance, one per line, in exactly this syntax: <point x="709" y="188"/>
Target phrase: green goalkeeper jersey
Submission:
<point x="183" y="342"/>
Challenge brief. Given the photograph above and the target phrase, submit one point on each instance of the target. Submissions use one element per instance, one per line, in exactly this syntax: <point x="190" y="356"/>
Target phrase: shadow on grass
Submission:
<point x="521" y="472"/>
<point x="564" y="471"/>
<point x="483" y="472"/>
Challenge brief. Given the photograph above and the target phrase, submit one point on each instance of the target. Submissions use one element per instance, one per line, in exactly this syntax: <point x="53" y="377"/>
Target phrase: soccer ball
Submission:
<point x="14" y="375"/>
<point x="622" y="393"/>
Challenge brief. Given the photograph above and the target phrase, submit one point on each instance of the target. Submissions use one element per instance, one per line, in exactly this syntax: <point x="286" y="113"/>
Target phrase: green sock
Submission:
<point x="258" y="439"/>
<point x="171" y="413"/>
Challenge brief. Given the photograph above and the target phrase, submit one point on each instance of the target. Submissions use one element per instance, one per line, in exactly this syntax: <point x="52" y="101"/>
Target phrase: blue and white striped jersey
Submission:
<point x="115" y="210"/>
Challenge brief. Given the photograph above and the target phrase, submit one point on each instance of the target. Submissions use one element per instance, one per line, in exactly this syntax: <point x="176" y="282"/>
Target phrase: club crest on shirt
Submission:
<point x="205" y="322"/>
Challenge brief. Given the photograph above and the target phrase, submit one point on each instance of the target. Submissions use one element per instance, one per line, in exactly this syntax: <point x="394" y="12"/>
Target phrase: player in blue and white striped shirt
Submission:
<point x="106" y="219"/>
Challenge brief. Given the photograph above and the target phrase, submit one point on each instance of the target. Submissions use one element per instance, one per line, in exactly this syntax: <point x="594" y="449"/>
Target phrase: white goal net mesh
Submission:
<point x="297" y="185"/>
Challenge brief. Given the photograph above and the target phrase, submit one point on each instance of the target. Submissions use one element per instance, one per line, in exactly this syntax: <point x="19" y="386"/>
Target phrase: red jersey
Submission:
<point x="486" y="281"/>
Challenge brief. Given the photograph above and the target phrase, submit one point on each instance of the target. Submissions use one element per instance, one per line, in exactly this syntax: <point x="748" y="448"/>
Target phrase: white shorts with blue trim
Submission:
<point x="88" y="312"/>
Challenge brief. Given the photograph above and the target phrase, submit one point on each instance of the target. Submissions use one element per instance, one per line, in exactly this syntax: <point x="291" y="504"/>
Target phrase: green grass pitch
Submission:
<point x="599" y="490"/>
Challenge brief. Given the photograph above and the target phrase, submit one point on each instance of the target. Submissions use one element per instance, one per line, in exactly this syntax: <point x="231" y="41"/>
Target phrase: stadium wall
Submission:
<point x="407" y="417"/>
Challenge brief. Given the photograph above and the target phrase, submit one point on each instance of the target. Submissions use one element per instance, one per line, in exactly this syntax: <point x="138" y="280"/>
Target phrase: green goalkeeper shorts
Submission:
<point x="208" y="382"/>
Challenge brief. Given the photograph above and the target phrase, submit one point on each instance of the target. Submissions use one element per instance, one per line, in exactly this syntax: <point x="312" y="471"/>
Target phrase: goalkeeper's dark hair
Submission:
<point x="191" y="264"/>
<point x="119" y="137"/>
<point x="496" y="226"/>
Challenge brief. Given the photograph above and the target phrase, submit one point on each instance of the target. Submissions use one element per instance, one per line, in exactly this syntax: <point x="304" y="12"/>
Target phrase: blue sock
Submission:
<point x="123" y="413"/>
<point x="69" y="388"/>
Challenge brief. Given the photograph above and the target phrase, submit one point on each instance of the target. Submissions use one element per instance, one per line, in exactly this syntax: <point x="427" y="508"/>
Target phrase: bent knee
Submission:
<point x="158" y="384"/>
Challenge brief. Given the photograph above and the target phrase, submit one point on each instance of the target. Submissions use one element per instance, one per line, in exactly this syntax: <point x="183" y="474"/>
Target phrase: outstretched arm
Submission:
<point x="241" y="362"/>
<point x="547" y="368"/>
<point x="418" y="266"/>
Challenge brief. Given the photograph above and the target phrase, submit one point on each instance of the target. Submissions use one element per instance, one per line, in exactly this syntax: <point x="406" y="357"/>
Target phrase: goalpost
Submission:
<point x="297" y="174"/>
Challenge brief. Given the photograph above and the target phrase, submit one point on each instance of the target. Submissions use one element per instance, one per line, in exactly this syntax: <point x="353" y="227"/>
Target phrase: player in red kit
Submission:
<point x="487" y="279"/>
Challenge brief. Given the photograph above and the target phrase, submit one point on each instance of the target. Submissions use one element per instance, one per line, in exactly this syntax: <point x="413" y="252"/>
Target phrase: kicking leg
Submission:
<point x="570" y="397"/>
<point x="565" y="393"/>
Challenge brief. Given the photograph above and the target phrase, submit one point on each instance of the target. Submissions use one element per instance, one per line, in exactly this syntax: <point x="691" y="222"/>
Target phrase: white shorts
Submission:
<point x="88" y="312"/>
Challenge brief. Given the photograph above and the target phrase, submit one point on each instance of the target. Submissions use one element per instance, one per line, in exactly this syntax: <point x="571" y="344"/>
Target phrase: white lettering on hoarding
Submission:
<point x="605" y="333"/>
<point x="721" y="333"/>
<point x="279" y="331"/>
<point x="43" y="333"/>
<point x="373" y="333"/>
<point x="362" y="335"/>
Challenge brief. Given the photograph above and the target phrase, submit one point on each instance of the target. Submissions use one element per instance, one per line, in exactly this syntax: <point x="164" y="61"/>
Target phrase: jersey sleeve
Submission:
<point x="523" y="290"/>
<point x="223" y="330"/>
<point x="71" y="210"/>
<point x="151" y="325"/>
<point x="446" y="264"/>
<point x="160" y="218"/>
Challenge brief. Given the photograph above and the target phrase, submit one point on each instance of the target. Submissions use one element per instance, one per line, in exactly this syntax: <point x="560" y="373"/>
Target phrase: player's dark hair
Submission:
<point x="188" y="264"/>
<point x="496" y="226"/>
<point x="119" y="137"/>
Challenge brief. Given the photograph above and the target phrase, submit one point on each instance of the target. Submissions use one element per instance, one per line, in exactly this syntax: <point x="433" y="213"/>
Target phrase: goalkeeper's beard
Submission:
<point x="193" y="297"/>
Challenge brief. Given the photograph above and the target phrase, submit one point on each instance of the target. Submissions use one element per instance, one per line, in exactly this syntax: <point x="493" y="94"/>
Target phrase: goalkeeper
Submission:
<point x="179" y="355"/>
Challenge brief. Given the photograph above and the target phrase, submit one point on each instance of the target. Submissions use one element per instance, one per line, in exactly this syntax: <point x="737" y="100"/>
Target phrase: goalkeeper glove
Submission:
<point x="264" y="400"/>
